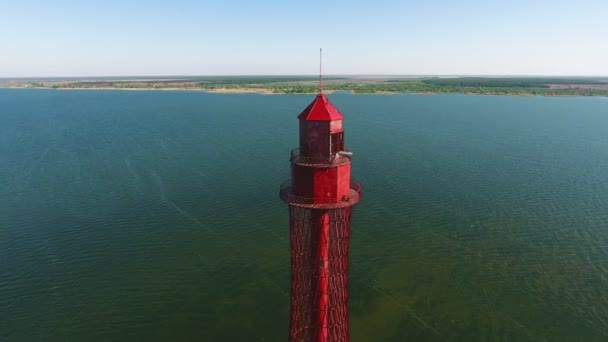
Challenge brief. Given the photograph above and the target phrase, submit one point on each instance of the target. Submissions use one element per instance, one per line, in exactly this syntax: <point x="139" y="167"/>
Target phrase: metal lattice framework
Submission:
<point x="320" y="195"/>
<point x="319" y="274"/>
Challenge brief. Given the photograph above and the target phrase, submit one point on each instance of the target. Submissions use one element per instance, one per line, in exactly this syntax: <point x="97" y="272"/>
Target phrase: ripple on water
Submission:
<point x="155" y="216"/>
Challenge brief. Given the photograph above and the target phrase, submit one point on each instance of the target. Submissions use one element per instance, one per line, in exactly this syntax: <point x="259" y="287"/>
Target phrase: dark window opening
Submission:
<point x="336" y="142"/>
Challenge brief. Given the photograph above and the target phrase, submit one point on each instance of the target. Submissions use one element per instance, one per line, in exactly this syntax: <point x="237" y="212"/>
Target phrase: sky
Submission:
<point x="262" y="37"/>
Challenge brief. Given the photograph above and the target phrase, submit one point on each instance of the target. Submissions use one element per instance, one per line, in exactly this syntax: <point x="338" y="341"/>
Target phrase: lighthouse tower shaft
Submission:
<point x="320" y="196"/>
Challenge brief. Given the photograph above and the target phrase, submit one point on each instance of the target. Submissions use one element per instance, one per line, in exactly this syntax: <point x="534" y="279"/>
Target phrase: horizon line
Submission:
<point x="305" y="75"/>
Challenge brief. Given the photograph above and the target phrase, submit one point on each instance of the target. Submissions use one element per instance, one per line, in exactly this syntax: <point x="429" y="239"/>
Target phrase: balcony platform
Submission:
<point x="320" y="162"/>
<point x="286" y="194"/>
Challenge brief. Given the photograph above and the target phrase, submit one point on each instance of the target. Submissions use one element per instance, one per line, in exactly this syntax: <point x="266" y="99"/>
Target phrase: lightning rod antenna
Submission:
<point x="320" y="71"/>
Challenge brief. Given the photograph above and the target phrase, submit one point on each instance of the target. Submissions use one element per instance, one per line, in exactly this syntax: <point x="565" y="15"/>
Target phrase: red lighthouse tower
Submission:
<point x="320" y="196"/>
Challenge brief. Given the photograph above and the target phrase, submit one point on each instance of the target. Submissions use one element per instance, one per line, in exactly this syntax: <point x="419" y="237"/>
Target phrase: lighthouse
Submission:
<point x="320" y="196"/>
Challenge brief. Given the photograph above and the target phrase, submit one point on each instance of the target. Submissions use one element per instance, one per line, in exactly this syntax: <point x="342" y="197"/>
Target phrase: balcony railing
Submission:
<point x="287" y="195"/>
<point x="337" y="159"/>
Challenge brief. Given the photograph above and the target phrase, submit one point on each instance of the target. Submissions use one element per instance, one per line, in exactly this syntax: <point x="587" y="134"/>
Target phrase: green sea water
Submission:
<point x="154" y="216"/>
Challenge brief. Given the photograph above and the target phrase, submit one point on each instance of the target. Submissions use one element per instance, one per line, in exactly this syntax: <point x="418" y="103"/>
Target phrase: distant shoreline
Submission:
<point x="263" y="91"/>
<point x="270" y="85"/>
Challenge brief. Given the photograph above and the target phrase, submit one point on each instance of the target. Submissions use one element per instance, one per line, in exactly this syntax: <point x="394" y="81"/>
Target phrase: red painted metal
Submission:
<point x="323" y="279"/>
<point x="320" y="196"/>
<point x="320" y="110"/>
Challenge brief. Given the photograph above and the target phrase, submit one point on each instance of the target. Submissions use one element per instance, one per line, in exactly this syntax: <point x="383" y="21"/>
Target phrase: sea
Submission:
<point x="155" y="216"/>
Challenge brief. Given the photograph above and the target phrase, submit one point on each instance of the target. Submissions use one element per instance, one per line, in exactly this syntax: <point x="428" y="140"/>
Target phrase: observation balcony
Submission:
<point x="287" y="195"/>
<point x="337" y="159"/>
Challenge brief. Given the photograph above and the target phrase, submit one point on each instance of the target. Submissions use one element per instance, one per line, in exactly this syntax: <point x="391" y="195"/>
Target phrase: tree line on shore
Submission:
<point x="305" y="85"/>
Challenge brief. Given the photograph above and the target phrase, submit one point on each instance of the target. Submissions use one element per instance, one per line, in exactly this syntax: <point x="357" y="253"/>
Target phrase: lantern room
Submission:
<point x="321" y="132"/>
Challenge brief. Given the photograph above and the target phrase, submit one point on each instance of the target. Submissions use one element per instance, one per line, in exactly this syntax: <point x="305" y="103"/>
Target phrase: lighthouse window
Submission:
<point x="336" y="141"/>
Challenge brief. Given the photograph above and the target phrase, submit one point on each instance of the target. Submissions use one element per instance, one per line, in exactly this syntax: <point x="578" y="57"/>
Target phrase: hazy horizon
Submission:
<point x="235" y="38"/>
<point x="312" y="76"/>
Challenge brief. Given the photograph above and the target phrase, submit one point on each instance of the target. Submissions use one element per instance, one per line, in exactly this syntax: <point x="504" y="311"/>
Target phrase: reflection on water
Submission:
<point x="155" y="216"/>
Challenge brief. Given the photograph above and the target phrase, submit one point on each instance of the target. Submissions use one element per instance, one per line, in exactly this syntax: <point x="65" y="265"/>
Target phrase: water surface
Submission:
<point x="155" y="216"/>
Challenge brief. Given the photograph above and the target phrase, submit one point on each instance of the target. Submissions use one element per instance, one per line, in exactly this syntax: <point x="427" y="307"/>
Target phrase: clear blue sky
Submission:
<point x="221" y="37"/>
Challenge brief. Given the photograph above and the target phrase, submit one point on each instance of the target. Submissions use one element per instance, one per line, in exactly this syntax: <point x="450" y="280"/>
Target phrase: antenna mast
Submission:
<point x="320" y="71"/>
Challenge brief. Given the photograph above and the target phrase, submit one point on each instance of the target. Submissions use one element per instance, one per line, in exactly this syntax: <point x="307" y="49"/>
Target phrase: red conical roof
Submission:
<point x="320" y="110"/>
